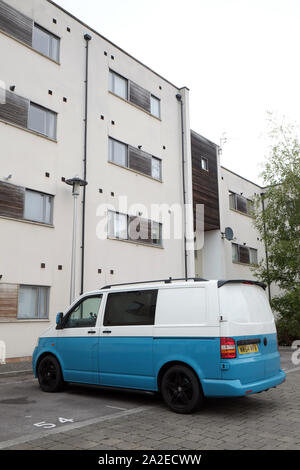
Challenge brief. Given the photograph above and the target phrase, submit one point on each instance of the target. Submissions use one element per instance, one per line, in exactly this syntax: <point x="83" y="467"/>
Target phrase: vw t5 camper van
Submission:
<point x="187" y="339"/>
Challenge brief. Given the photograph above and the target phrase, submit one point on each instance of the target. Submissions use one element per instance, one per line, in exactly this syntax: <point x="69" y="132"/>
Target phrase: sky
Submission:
<point x="239" y="58"/>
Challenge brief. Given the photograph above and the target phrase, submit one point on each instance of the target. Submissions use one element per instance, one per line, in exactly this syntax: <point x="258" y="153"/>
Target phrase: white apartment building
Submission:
<point x="72" y="103"/>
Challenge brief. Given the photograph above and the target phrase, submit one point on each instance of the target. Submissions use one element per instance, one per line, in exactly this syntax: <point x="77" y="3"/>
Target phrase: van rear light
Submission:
<point x="228" y="348"/>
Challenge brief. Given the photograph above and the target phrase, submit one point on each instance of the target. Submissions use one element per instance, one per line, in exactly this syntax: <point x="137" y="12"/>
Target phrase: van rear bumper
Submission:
<point x="234" y="388"/>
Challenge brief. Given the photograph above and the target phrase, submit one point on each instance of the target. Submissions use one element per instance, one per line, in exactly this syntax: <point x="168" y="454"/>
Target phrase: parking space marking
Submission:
<point x="19" y="382"/>
<point x="16" y="372"/>
<point x="116" y="407"/>
<point x="70" y="427"/>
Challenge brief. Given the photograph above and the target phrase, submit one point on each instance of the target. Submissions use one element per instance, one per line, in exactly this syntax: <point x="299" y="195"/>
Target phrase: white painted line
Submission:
<point x="292" y="370"/>
<point x="15" y="372"/>
<point x="69" y="427"/>
<point x="116" y="408"/>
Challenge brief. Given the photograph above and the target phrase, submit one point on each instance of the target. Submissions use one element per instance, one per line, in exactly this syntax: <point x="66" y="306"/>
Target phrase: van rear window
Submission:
<point x="130" y="308"/>
<point x="244" y="303"/>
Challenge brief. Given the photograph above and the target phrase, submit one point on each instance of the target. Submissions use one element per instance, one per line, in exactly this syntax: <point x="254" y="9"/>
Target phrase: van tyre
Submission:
<point x="181" y="390"/>
<point x="49" y="374"/>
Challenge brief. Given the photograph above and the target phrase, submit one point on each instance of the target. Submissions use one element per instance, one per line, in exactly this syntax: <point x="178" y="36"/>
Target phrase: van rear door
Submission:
<point x="246" y="316"/>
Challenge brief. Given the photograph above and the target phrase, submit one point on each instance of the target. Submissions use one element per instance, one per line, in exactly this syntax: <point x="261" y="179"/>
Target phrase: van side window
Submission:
<point x="130" y="308"/>
<point x="84" y="314"/>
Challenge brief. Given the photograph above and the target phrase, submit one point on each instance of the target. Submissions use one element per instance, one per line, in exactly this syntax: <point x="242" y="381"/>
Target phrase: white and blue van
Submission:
<point x="187" y="339"/>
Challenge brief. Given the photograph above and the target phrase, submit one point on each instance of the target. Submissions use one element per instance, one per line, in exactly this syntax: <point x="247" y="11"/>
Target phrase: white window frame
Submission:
<point x="111" y="151"/>
<point x="253" y="253"/>
<point x="43" y="220"/>
<point x="48" y="113"/>
<point x="52" y="37"/>
<point x="160" y="168"/>
<point x="204" y="159"/>
<point x="233" y="202"/>
<point x="112" y="85"/>
<point x="157" y="100"/>
<point x="37" y="313"/>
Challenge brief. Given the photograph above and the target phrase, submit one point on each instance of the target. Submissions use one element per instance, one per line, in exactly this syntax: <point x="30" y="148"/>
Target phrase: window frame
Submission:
<point x="47" y="110"/>
<point x="112" y="141"/>
<point x="150" y="156"/>
<point x="116" y="213"/>
<point x="204" y="159"/>
<point x="52" y="36"/>
<point x="233" y="197"/>
<point x="138" y="240"/>
<point x="45" y="195"/>
<point x="114" y="74"/>
<point x="37" y="302"/>
<point x="118" y="324"/>
<point x="159" y="106"/>
<point x="250" y="250"/>
<point x="71" y="310"/>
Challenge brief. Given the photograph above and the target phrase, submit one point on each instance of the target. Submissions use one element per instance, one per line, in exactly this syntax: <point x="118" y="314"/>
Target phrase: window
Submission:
<point x="45" y="42"/>
<point x="204" y="164"/>
<point x="155" y="106"/>
<point x="253" y="256"/>
<point x="117" y="225"/>
<point x="135" y="159"/>
<point x="156" y="168"/>
<point x="244" y="254"/>
<point x="33" y="302"/>
<point x="118" y="85"/>
<point x="156" y="230"/>
<point x="84" y="314"/>
<point x="130" y="308"/>
<point x="42" y="120"/>
<point x="118" y="152"/>
<point x="240" y="203"/>
<point x="134" y="228"/>
<point x="38" y="207"/>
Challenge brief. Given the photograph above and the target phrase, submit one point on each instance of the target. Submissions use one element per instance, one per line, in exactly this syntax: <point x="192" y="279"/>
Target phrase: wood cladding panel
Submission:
<point x="11" y="200"/>
<point x="8" y="301"/>
<point x="140" y="161"/>
<point x="205" y="183"/>
<point x="15" y="23"/>
<point x="139" y="96"/>
<point x="15" y="109"/>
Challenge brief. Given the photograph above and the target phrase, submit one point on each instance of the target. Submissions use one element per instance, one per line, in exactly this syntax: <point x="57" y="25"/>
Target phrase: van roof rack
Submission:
<point x="165" y="281"/>
<point x="242" y="281"/>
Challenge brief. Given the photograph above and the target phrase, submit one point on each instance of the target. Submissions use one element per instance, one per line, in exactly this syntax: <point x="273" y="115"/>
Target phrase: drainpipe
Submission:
<point x="189" y="253"/>
<point x="87" y="38"/>
<point x="266" y="244"/>
<point x="179" y="98"/>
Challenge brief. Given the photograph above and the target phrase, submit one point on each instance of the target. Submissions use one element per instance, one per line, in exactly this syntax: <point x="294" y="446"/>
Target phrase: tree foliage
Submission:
<point x="277" y="218"/>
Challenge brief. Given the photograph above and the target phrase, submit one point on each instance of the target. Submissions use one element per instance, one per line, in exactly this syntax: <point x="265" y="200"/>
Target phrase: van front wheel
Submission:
<point x="49" y="374"/>
<point x="181" y="390"/>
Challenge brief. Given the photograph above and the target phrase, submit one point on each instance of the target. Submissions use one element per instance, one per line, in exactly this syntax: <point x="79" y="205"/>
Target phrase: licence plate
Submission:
<point x="248" y="348"/>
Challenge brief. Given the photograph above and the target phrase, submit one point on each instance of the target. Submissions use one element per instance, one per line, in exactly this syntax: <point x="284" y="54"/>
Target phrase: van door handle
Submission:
<point x="107" y="332"/>
<point x="91" y="332"/>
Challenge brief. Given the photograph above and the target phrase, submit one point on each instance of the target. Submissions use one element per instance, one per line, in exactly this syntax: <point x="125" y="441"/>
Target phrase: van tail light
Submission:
<point x="228" y="348"/>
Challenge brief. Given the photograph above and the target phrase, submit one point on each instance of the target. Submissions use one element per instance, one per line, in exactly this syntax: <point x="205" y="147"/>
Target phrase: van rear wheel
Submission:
<point x="49" y="374"/>
<point x="181" y="390"/>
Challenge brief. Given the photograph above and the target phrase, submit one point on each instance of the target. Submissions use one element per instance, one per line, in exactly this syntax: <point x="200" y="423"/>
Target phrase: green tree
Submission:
<point x="277" y="218"/>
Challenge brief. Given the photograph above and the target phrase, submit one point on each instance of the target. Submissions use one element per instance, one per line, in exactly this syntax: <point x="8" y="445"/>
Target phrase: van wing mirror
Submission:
<point x="59" y="320"/>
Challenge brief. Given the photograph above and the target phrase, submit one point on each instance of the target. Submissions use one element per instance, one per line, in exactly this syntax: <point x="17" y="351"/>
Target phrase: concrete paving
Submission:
<point x="90" y="418"/>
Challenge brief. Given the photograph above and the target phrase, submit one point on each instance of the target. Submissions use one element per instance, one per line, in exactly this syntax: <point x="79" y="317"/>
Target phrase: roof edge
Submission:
<point x="112" y="43"/>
